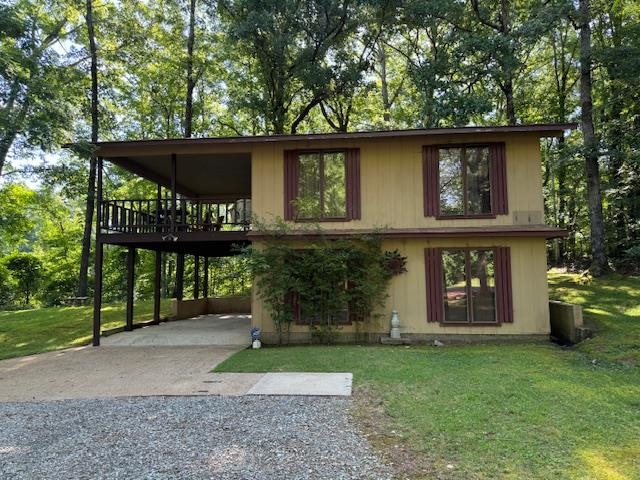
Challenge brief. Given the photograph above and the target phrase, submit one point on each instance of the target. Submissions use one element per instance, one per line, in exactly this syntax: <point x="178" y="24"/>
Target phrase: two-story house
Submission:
<point x="464" y="205"/>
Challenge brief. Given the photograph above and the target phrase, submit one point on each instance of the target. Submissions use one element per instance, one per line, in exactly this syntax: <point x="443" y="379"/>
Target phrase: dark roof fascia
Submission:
<point x="543" y="130"/>
<point x="537" y="231"/>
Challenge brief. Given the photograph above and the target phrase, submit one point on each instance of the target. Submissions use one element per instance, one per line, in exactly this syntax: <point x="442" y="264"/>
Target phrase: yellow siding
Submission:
<point x="391" y="180"/>
<point x="407" y="293"/>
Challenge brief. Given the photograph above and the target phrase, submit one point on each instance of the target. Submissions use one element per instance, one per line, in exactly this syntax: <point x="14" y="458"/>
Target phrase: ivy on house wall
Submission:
<point x="331" y="280"/>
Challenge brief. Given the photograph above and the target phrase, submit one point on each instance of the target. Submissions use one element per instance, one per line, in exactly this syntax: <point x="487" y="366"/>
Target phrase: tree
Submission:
<point x="289" y="47"/>
<point x="599" y="263"/>
<point x="26" y="269"/>
<point x="36" y="88"/>
<point x="91" y="181"/>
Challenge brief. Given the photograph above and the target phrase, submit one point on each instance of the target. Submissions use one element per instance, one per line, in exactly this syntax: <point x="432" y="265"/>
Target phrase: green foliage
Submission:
<point x="324" y="275"/>
<point x="610" y="307"/>
<point x="26" y="269"/>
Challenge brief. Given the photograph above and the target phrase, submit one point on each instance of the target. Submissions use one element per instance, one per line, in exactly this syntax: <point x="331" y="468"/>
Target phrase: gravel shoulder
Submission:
<point x="262" y="437"/>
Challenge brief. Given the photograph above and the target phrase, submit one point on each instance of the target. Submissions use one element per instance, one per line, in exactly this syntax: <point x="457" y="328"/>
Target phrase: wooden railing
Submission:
<point x="191" y="215"/>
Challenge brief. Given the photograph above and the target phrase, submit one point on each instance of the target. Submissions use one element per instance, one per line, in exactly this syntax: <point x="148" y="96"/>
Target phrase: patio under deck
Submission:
<point x="202" y="207"/>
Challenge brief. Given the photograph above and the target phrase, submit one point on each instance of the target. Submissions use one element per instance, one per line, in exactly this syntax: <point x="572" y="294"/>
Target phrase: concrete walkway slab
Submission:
<point x="104" y="372"/>
<point x="292" y="383"/>
<point x="225" y="330"/>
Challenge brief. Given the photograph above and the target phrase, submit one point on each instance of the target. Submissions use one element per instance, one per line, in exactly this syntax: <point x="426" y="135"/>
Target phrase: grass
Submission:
<point x="611" y="305"/>
<point x="500" y="411"/>
<point x="24" y="332"/>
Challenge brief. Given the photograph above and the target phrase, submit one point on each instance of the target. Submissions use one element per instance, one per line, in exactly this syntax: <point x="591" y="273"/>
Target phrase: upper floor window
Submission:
<point x="322" y="185"/>
<point x="465" y="181"/>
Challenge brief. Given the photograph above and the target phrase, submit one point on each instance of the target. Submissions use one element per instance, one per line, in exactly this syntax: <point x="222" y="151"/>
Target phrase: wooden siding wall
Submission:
<point x="408" y="291"/>
<point x="391" y="180"/>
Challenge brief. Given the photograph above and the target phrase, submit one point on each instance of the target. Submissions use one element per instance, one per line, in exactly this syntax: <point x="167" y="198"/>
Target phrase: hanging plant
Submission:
<point x="394" y="263"/>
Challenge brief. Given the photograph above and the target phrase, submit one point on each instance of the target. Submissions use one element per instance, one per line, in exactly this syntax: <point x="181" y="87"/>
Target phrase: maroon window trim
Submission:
<point x="435" y="285"/>
<point x="497" y="178"/>
<point x="352" y="182"/>
<point x="430" y="183"/>
<point x="290" y="182"/>
<point x="504" y="293"/>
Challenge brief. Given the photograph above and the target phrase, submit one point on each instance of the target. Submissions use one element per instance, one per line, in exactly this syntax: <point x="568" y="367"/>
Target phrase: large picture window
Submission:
<point x="322" y="185"/>
<point x="465" y="181"/>
<point x="468" y="286"/>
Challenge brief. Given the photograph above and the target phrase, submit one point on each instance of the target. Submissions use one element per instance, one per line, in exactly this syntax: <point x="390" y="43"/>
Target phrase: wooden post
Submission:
<point x="158" y="208"/>
<point x="131" y="258"/>
<point x="205" y="280"/>
<point x="174" y="172"/>
<point x="180" y="276"/>
<point x="97" y="292"/>
<point x="156" y="287"/>
<point x="196" y="276"/>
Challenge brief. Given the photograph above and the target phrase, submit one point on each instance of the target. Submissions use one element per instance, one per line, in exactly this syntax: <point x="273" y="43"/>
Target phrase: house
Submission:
<point x="464" y="205"/>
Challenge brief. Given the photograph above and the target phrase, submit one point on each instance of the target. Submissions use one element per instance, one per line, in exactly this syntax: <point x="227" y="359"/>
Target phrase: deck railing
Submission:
<point x="191" y="215"/>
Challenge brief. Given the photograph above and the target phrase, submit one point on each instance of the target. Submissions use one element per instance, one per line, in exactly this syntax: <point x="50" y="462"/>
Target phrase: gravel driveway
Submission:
<point x="185" y="437"/>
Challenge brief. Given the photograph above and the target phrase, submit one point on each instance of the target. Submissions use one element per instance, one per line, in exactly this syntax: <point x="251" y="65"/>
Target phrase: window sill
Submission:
<point x="323" y="220"/>
<point x="470" y="324"/>
<point x="466" y="217"/>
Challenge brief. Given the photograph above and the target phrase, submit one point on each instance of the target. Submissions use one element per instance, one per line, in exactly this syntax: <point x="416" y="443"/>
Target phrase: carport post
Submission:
<point x="196" y="276"/>
<point x="205" y="280"/>
<point x="97" y="290"/>
<point x="180" y="276"/>
<point x="131" y="258"/>
<point x="156" y="287"/>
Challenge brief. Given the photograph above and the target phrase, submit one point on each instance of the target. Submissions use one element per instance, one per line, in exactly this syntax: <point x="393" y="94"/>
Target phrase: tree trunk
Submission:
<point x="91" y="186"/>
<point x="188" y="111"/>
<point x="594" y="199"/>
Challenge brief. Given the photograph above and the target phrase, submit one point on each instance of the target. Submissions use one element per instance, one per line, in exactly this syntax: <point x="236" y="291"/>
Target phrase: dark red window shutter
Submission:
<point x="504" y="294"/>
<point x="433" y="269"/>
<point x="499" y="178"/>
<point x="431" y="191"/>
<point x="353" y="183"/>
<point x="290" y="183"/>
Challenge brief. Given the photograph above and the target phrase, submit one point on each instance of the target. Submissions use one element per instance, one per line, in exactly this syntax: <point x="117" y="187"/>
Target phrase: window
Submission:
<point x="303" y="317"/>
<point x="322" y="185"/>
<point x="465" y="181"/>
<point x="469" y="285"/>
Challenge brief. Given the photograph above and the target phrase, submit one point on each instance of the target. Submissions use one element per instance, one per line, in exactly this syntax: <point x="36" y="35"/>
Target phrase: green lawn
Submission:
<point x="503" y="411"/>
<point x="611" y="305"/>
<point x="24" y="332"/>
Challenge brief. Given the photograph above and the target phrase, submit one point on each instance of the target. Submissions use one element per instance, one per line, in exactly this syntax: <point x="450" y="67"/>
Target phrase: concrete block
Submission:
<point x="565" y="319"/>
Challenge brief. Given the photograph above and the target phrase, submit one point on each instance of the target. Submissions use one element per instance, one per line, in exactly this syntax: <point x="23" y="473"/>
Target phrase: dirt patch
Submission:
<point x="382" y="432"/>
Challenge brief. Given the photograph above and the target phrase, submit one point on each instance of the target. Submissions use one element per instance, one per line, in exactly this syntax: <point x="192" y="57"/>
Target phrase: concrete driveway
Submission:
<point x="227" y="330"/>
<point x="173" y="358"/>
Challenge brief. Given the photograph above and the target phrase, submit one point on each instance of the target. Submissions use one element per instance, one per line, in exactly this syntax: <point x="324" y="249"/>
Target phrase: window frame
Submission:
<point x="497" y="181"/>
<point x="469" y="288"/>
<point x="293" y="301"/>
<point x="351" y="184"/>
<point x="435" y="285"/>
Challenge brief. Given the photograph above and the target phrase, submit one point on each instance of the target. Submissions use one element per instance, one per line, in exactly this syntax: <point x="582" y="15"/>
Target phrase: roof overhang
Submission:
<point x="222" y="165"/>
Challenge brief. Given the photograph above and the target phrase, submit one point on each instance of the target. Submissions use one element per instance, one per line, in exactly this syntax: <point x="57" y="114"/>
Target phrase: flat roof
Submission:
<point x="542" y="129"/>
